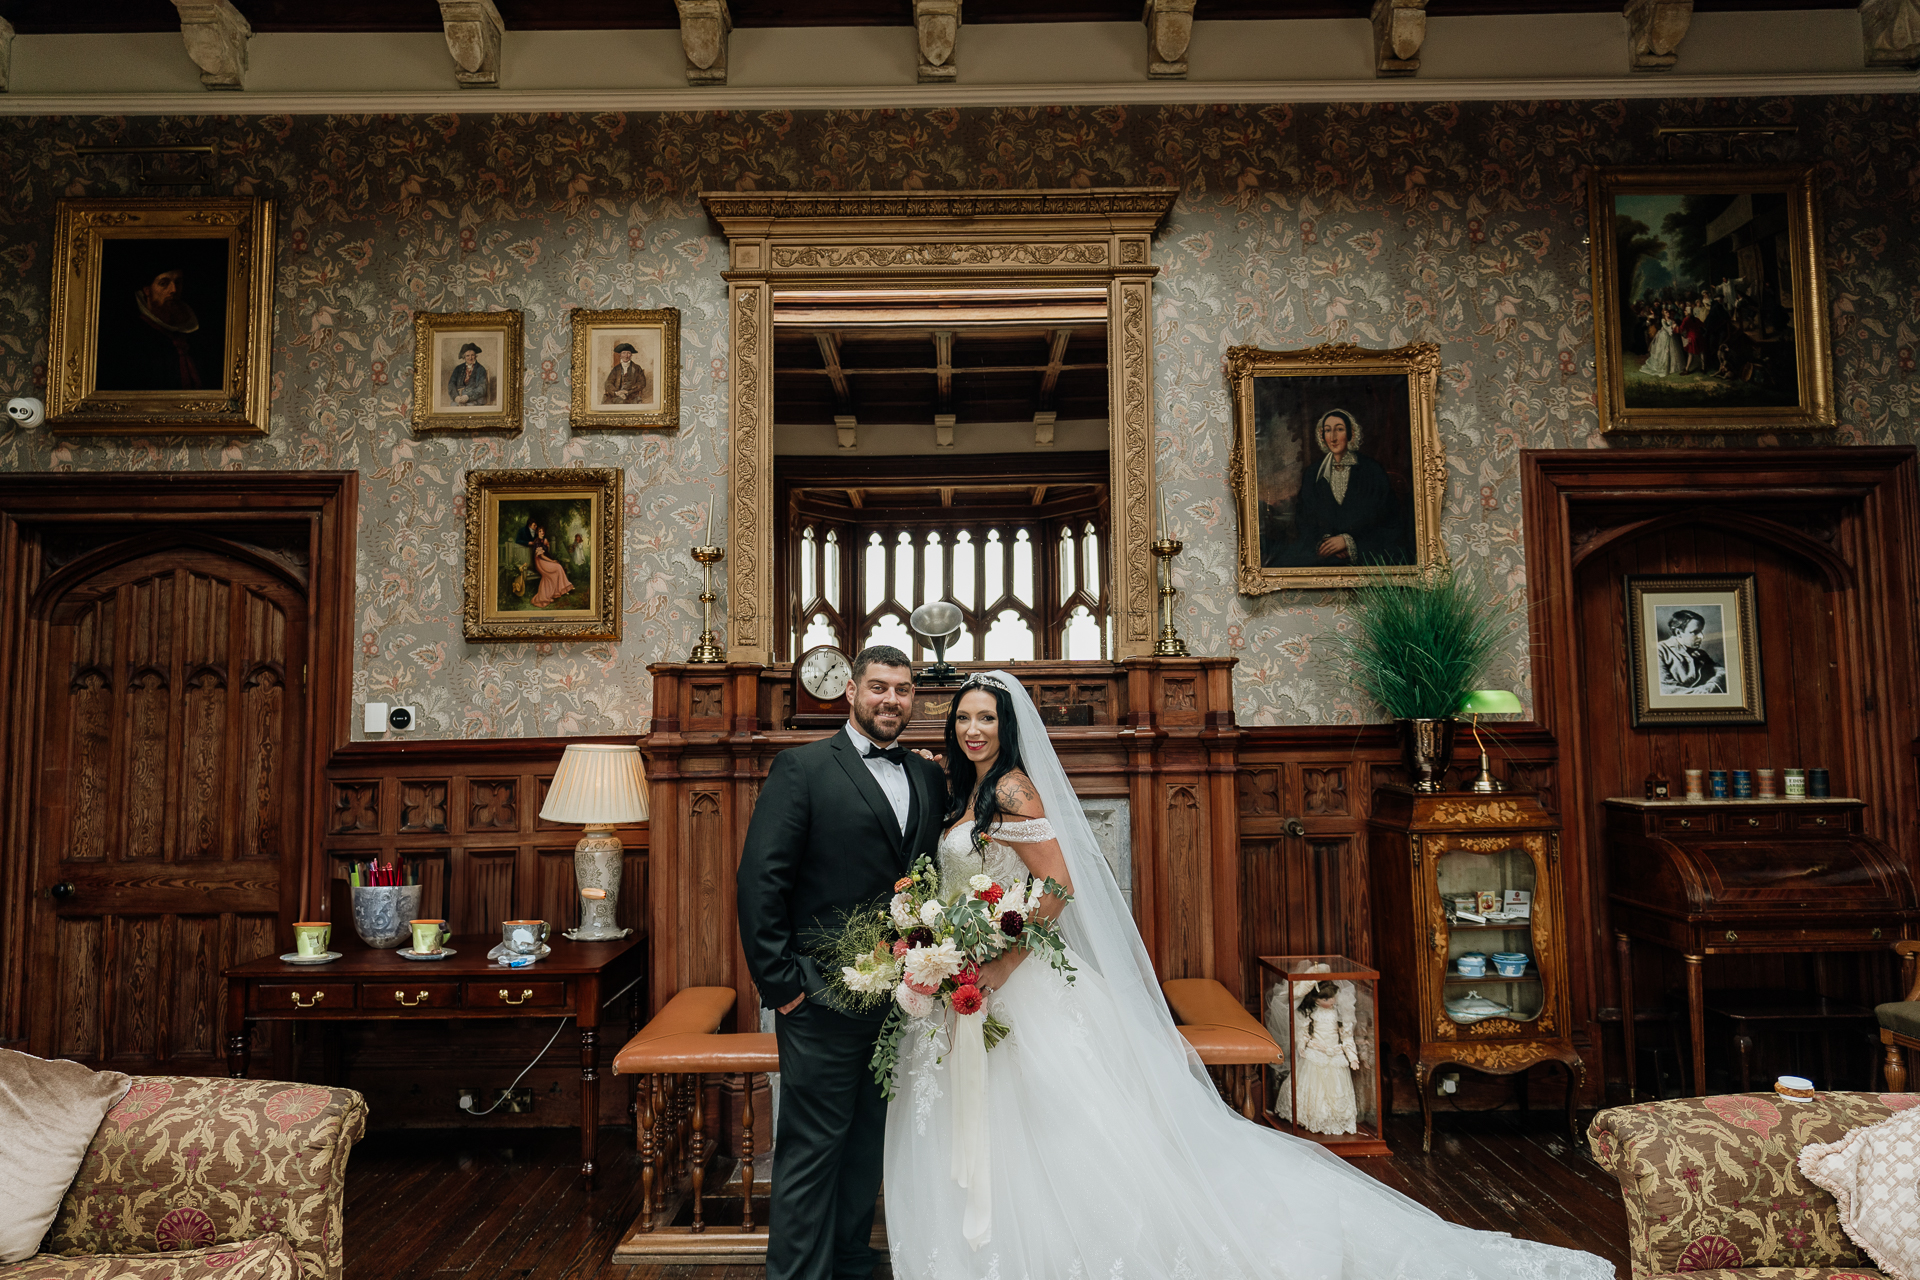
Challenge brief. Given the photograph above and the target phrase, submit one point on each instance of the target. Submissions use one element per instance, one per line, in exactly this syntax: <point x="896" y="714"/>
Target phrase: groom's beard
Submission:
<point x="871" y="727"/>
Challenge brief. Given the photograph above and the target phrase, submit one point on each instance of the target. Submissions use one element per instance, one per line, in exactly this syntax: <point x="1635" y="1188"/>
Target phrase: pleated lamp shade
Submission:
<point x="598" y="785"/>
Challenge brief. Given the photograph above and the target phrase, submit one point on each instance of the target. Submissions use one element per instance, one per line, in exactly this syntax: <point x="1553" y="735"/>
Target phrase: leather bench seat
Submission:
<point x="692" y="1011"/>
<point x="748" y="1051"/>
<point x="1214" y="1023"/>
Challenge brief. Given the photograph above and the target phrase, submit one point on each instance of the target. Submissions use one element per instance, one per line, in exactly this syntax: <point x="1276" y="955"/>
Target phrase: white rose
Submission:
<point x="902" y="912"/>
<point x="931" y="966"/>
<point x="930" y="912"/>
<point x="916" y="1003"/>
<point x="980" y="884"/>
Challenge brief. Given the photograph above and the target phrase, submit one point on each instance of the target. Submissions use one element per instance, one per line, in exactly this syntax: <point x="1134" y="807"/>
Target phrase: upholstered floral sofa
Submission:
<point x="1713" y="1186"/>
<point x="191" y="1177"/>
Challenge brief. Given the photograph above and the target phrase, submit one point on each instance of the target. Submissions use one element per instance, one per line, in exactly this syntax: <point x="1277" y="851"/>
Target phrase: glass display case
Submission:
<point x="1491" y="969"/>
<point x="1469" y="933"/>
<point x="1323" y="1012"/>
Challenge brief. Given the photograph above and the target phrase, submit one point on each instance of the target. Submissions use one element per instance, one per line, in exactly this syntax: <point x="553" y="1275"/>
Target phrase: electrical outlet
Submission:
<point x="511" y="1101"/>
<point x="1449" y="1082"/>
<point x="376" y="717"/>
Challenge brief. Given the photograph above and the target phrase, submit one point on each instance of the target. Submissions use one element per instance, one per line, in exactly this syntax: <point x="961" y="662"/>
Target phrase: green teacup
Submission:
<point x="310" y="937"/>
<point x="428" y="936"/>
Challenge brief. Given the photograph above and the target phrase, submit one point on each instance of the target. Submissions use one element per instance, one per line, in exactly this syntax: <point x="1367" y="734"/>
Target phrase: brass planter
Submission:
<point x="1426" y="746"/>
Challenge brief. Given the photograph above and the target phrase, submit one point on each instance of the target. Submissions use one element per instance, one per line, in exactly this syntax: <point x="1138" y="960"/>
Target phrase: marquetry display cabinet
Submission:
<point x="1434" y="859"/>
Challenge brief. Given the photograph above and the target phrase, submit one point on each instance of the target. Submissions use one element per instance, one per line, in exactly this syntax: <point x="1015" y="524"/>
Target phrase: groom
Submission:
<point x="837" y="822"/>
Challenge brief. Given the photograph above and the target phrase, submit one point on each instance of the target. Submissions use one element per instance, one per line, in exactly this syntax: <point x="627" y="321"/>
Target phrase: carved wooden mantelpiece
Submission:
<point x="917" y="240"/>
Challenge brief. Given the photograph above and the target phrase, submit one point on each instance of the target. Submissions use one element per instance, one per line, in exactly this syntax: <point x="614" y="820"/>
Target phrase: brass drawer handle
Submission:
<point x="318" y="996"/>
<point x="1686" y="822"/>
<point x="524" y="996"/>
<point x="400" y="998"/>
<point x="1753" y="822"/>
<point x="1876" y="935"/>
<point x="1819" y="822"/>
<point x="1732" y="936"/>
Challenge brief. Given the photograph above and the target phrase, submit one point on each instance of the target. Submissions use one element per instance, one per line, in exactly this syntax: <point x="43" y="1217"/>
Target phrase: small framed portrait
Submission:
<point x="162" y="316"/>
<point x="543" y="554"/>
<point x="1709" y="303"/>
<point x="1337" y="471"/>
<point x="626" y="368"/>
<point x="1693" y="651"/>
<point x="467" y="371"/>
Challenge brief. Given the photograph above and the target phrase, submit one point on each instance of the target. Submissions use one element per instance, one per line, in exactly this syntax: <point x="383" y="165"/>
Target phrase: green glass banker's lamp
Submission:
<point x="1487" y="702"/>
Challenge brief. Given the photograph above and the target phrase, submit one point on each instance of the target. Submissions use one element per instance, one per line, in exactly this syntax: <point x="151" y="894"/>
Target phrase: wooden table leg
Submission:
<point x="746" y="1159"/>
<point x="1623" y="948"/>
<point x="589" y="1098"/>
<point x="1896" y="1067"/>
<point x="1421" y="1082"/>
<point x="1697" y="1020"/>
<point x="649" y="1153"/>
<point x="1743" y="1049"/>
<point x="1573" y="1099"/>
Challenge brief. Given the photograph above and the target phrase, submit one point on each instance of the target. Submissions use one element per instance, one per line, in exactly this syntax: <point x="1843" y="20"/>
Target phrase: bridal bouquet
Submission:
<point x="923" y="951"/>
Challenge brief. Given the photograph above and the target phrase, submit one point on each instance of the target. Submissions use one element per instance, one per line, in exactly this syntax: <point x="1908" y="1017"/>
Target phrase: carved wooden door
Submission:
<point x="168" y="801"/>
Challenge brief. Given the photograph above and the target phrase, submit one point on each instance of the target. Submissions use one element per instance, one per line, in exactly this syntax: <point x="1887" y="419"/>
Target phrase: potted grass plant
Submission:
<point x="1418" y="650"/>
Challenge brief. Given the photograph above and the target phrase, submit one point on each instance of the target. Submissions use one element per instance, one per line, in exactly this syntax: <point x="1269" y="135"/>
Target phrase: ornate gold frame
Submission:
<point x="1006" y="239"/>
<point x="485" y="491"/>
<point x="81" y="228"/>
<point x="1812" y="343"/>
<point x="512" y="376"/>
<point x="667" y="320"/>
<point x="1419" y="363"/>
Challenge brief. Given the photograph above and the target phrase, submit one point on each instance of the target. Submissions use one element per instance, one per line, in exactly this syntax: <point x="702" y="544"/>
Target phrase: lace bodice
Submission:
<point x="959" y="860"/>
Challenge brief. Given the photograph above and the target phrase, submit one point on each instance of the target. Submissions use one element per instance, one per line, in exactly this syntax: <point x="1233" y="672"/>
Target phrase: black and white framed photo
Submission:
<point x="1692" y="650"/>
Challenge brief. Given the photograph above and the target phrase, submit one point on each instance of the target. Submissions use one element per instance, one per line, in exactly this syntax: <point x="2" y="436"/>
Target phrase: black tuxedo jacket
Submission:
<point x="823" y="839"/>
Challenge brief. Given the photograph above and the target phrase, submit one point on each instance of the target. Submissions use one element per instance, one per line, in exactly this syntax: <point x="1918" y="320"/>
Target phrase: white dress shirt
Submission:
<point x="891" y="777"/>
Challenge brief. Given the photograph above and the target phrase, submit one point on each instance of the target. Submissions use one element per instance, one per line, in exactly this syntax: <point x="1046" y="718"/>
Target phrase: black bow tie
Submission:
<point x="897" y="755"/>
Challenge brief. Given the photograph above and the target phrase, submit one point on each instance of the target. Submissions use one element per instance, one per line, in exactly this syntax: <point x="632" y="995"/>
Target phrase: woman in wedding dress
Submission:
<point x="1093" y="1145"/>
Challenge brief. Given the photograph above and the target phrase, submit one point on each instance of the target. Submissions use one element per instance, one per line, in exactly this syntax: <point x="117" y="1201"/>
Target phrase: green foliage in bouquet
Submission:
<point x="1419" y="649"/>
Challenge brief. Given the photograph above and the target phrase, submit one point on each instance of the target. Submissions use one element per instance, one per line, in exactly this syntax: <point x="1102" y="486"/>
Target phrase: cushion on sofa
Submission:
<point x="187" y="1162"/>
<point x="267" y="1258"/>
<point x="1902" y="1017"/>
<point x="1874" y="1174"/>
<point x="1714" y="1183"/>
<point x="49" y="1112"/>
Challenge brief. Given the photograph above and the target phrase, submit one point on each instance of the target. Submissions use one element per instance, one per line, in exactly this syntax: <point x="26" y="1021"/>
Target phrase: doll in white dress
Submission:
<point x="1324" y="1060"/>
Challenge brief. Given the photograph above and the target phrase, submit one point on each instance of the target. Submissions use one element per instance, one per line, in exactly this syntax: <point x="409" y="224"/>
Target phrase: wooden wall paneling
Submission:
<point x="1829" y="534"/>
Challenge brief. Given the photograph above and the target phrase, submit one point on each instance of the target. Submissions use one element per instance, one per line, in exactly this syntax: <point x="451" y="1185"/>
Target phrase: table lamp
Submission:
<point x="1483" y="702"/>
<point x="599" y="786"/>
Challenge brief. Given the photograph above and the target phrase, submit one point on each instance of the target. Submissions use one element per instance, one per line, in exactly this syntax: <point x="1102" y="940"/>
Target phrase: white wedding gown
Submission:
<point x="1110" y="1159"/>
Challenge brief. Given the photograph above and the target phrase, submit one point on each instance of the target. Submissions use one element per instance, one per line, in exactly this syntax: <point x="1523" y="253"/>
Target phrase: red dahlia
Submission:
<point x="967" y="1000"/>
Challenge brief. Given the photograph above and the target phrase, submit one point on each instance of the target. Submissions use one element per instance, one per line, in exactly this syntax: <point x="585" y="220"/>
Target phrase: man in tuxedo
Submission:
<point x="837" y="822"/>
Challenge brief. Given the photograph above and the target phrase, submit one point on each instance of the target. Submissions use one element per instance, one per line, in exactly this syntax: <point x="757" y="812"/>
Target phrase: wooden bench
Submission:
<point x="1230" y="1041"/>
<point x="671" y="1056"/>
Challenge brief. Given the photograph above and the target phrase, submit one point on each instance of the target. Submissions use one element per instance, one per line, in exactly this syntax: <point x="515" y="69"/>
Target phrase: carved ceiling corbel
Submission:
<point x="6" y="55"/>
<point x="1655" y="29"/>
<point x="474" y="33"/>
<point x="937" y="24"/>
<point x="1399" y="29"/>
<point x="704" y="28"/>
<point x="216" y="37"/>
<point x="1891" y="29"/>
<point x="1169" y="32"/>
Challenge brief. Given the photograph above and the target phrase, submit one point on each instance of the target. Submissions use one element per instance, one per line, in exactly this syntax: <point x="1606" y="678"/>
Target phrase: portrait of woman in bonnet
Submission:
<point x="1347" y="512"/>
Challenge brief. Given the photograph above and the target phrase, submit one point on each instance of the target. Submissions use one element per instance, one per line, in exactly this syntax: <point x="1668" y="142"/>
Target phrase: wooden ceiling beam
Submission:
<point x="1056" y="363"/>
<point x="943" y="369"/>
<point x="830" y="357"/>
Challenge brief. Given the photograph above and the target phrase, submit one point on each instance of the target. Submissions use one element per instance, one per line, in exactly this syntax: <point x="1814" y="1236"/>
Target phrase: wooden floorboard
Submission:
<point x="510" y="1205"/>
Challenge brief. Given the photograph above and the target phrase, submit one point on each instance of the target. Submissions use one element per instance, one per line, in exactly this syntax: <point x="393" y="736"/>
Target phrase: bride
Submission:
<point x="1093" y="1144"/>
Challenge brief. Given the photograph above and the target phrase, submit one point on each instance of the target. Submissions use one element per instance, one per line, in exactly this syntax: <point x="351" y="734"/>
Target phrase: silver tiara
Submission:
<point x="987" y="677"/>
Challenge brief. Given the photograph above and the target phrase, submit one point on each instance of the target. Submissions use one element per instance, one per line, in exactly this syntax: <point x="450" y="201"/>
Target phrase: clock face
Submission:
<point x="824" y="673"/>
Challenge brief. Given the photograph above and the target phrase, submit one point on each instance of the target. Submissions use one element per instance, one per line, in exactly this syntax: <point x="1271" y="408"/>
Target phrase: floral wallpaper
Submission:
<point x="1458" y="223"/>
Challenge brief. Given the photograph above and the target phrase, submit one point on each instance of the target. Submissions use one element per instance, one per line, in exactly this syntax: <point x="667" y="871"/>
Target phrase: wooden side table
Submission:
<point x="573" y="982"/>
<point x="1752" y="1012"/>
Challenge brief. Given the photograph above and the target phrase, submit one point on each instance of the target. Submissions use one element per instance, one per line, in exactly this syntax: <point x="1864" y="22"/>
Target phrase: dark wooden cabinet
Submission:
<point x="1730" y="877"/>
<point x="1439" y="1006"/>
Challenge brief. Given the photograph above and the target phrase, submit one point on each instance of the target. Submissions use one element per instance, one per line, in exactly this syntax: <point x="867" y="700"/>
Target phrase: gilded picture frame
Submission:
<point x="635" y="387"/>
<point x="543" y="554"/>
<point x="469" y="369"/>
<point x="162" y="316"/>
<point x="1320" y="506"/>
<point x="1709" y="300"/>
<point x="1693" y="651"/>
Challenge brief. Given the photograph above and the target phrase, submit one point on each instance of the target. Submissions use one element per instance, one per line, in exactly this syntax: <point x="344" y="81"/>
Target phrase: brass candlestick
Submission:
<point x="708" y="650"/>
<point x="1170" y="645"/>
